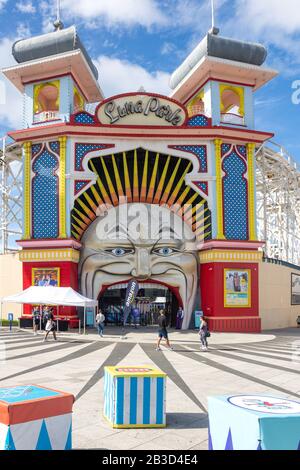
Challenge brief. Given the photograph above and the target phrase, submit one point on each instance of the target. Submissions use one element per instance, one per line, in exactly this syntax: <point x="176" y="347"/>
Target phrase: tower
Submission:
<point x="57" y="79"/>
<point x="218" y="80"/>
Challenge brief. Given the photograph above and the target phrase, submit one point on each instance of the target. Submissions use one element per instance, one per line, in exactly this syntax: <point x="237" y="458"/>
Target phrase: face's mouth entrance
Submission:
<point x="152" y="296"/>
<point x="151" y="288"/>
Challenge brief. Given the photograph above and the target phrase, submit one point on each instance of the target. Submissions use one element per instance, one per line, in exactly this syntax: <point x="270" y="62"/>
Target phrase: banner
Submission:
<point x="131" y="293"/>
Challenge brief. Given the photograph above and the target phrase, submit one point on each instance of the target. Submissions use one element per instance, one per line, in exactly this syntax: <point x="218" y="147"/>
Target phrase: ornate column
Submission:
<point x="27" y="191"/>
<point x="251" y="190"/>
<point x="62" y="187"/>
<point x="219" y="192"/>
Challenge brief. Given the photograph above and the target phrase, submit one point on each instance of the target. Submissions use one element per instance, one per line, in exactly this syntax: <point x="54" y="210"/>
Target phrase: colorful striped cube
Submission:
<point x="135" y="397"/>
<point x="35" y="418"/>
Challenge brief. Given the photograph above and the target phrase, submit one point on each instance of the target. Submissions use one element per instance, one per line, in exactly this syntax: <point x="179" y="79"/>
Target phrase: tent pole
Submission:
<point x="1" y="315"/>
<point x="40" y="318"/>
<point x="84" y="318"/>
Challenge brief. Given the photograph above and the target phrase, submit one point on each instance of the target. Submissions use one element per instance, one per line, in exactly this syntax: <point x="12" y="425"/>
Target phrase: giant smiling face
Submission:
<point x="152" y="244"/>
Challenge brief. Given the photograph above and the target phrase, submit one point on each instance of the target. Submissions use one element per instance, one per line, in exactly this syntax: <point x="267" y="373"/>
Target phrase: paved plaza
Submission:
<point x="235" y="364"/>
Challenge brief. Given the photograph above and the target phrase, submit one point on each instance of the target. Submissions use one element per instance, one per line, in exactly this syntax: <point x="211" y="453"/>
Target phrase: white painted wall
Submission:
<point x="10" y="282"/>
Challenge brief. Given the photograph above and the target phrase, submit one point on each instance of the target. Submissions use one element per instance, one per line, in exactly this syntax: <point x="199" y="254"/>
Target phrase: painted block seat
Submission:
<point x="253" y="422"/>
<point x="135" y="397"/>
<point x="35" y="418"/>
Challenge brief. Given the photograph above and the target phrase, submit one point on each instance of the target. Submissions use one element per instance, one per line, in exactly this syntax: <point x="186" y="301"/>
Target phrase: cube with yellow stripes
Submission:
<point x="135" y="397"/>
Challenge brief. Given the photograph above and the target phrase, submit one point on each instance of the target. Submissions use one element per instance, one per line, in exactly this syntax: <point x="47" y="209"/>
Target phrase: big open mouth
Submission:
<point x="149" y="284"/>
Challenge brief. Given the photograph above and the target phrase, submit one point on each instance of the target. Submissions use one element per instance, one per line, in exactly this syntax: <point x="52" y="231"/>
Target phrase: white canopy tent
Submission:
<point x="57" y="296"/>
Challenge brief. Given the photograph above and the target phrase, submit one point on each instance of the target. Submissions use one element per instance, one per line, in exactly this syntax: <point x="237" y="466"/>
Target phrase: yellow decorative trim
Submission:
<point x="152" y="372"/>
<point x="239" y="91"/>
<point x="80" y="97"/>
<point x="251" y="186"/>
<point x="49" y="255"/>
<point x="220" y="221"/>
<point x="136" y="193"/>
<point x="224" y="256"/>
<point x="127" y="178"/>
<point x="145" y="178"/>
<point x="161" y="183"/>
<point x="249" y="304"/>
<point x="62" y="188"/>
<point x="134" y="426"/>
<point x="27" y="191"/>
<point x="112" y="192"/>
<point x="38" y="88"/>
<point x="152" y="182"/>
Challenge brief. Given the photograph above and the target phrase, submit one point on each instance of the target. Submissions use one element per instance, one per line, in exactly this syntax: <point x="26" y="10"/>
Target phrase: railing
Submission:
<point x="46" y="116"/>
<point x="230" y="118"/>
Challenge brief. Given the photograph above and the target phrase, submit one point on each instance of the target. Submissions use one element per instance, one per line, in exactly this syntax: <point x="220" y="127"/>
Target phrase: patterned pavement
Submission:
<point x="235" y="364"/>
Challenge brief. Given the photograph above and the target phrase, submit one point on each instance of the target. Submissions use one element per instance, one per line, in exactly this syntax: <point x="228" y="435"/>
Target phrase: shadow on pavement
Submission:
<point x="187" y="420"/>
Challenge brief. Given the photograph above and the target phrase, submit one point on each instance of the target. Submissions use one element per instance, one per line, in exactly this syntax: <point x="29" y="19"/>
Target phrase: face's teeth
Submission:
<point x="86" y="283"/>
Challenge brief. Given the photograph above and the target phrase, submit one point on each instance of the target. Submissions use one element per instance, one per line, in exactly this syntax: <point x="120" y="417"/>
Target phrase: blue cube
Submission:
<point x="253" y="422"/>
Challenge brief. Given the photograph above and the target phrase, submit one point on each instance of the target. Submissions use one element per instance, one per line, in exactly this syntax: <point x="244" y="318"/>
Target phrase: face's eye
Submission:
<point x="119" y="252"/>
<point x="165" y="251"/>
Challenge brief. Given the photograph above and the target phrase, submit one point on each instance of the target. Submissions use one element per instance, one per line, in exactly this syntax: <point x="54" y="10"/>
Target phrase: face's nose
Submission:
<point x="142" y="264"/>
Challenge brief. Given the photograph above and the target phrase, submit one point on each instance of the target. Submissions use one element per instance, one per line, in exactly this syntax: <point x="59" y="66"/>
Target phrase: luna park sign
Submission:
<point x="141" y="110"/>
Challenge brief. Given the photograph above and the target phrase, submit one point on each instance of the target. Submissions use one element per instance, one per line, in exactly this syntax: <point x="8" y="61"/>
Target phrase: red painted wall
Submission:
<point x="212" y="290"/>
<point x="68" y="278"/>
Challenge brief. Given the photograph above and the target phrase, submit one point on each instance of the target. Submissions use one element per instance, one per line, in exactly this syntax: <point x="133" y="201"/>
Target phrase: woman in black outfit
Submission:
<point x="50" y="326"/>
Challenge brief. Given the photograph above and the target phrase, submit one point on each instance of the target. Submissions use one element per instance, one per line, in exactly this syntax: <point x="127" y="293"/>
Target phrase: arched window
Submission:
<point x="46" y="101"/>
<point x="196" y="106"/>
<point x="232" y="104"/>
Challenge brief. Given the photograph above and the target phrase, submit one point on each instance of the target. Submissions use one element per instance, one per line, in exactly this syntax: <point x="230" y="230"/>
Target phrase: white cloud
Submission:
<point x="272" y="23"/>
<point x="271" y="14"/>
<point x="2" y="3"/>
<point x="26" y="7"/>
<point x="11" y="102"/>
<point x="23" y="31"/>
<point x="167" y="48"/>
<point x="120" y="76"/>
<point x="129" y="12"/>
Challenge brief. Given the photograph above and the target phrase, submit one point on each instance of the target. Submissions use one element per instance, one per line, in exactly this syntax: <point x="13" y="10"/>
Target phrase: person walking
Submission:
<point x="50" y="326"/>
<point x="179" y="318"/>
<point x="45" y="316"/>
<point x="100" y="319"/>
<point x="204" y="334"/>
<point x="162" y="332"/>
<point x="36" y="321"/>
<point x="136" y="317"/>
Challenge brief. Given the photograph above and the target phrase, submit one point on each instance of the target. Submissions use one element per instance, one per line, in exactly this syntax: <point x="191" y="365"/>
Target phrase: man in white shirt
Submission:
<point x="100" y="319"/>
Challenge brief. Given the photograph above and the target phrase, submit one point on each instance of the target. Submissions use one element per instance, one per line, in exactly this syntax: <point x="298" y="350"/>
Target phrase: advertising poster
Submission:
<point x="237" y="288"/>
<point x="295" y="289"/>
<point x="44" y="277"/>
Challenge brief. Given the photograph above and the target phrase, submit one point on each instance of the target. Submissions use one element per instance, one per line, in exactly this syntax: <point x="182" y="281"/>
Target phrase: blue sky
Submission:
<point x="138" y="43"/>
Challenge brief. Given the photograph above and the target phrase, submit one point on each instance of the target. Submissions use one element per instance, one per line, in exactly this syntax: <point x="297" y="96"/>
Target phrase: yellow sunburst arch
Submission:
<point x="142" y="176"/>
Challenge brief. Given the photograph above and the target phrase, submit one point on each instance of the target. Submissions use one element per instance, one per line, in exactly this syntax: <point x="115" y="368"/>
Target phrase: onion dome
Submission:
<point x="46" y="45"/>
<point x="222" y="48"/>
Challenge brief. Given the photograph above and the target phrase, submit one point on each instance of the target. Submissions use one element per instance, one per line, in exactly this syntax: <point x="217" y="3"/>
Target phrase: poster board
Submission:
<point x="237" y="288"/>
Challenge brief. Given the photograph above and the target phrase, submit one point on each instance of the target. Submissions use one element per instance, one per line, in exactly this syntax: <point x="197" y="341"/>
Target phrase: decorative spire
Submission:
<point x="58" y="24"/>
<point x="213" y="29"/>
